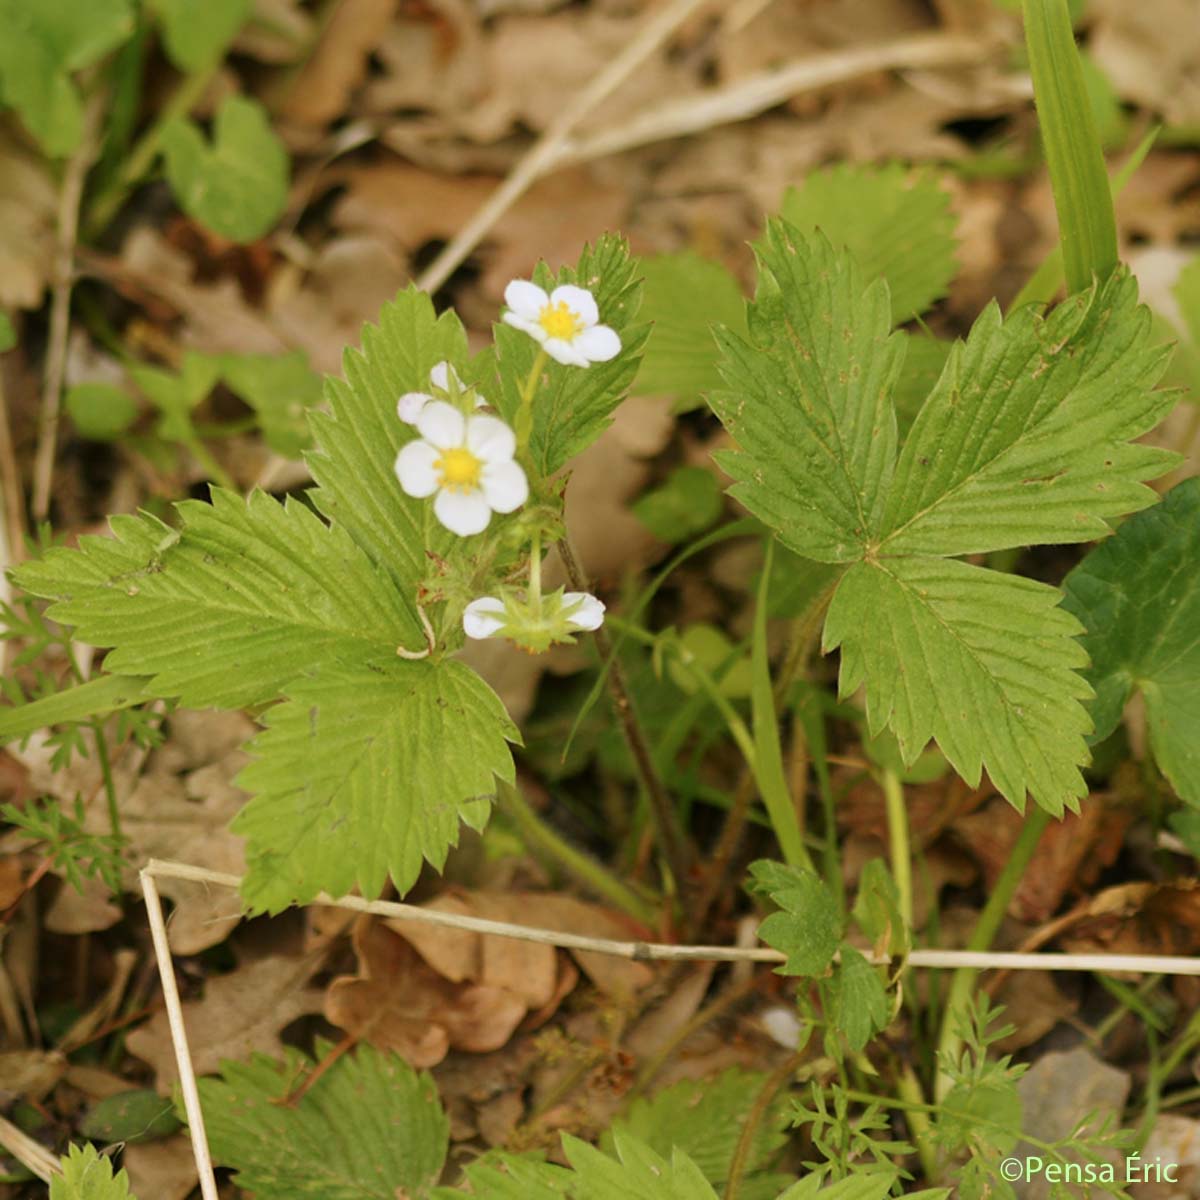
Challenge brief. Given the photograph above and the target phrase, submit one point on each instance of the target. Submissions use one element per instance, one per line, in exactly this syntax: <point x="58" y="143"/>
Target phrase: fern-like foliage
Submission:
<point x="1027" y="438"/>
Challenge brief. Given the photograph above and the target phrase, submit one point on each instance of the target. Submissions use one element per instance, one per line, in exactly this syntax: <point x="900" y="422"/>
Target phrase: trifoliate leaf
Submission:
<point x="808" y="398"/>
<point x="1138" y="595"/>
<point x="198" y="32"/>
<point x="896" y="228"/>
<point x="281" y="388"/>
<point x="572" y="406"/>
<point x="640" y="1174"/>
<point x="705" y="1119"/>
<point x="1026" y="438"/>
<point x="359" y="438"/>
<point x="985" y="663"/>
<point x="88" y="1175"/>
<point x="369" y="1128"/>
<point x="41" y="44"/>
<point x="366" y="771"/>
<point x="100" y="411"/>
<point x="809" y="926"/>
<point x="685" y="505"/>
<point x="237" y="184"/>
<point x="685" y="296"/>
<point x="860" y="1002"/>
<point x="242" y="599"/>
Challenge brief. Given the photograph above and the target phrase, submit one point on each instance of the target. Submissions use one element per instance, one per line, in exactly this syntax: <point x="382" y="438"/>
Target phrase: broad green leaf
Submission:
<point x="985" y="663"/>
<point x="1187" y="293"/>
<point x="807" y="398"/>
<point x="8" y="335"/>
<point x="98" y="696"/>
<point x="1026" y="439"/>
<point x="860" y="1001"/>
<point x="1138" y="595"/>
<point x="686" y="504"/>
<point x="896" y="227"/>
<point x="498" y="1176"/>
<point x="797" y="583"/>
<point x="226" y="611"/>
<point x="176" y="395"/>
<point x="369" y="1128"/>
<point x="809" y="926"/>
<point x="281" y="388"/>
<point x="41" y="44"/>
<point x="237" y="184"/>
<point x="877" y="909"/>
<point x="100" y="411"/>
<point x="877" y="1185"/>
<point x="685" y="296"/>
<point x="198" y="32"/>
<point x="139" y="1115"/>
<point x="365" y="772"/>
<point x="924" y="360"/>
<point x="704" y="1119"/>
<point x="1087" y="227"/>
<point x="572" y="406"/>
<point x="360" y="436"/>
<point x="88" y="1175"/>
<point x="640" y="1173"/>
<point x="709" y="648"/>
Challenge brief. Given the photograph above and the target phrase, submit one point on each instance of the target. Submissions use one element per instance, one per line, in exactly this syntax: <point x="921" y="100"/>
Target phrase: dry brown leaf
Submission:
<point x="27" y="208"/>
<point x="398" y="1002"/>
<point x="278" y="31"/>
<point x="1034" y="1004"/>
<point x="1139" y="918"/>
<point x="241" y="1013"/>
<point x="163" y="1169"/>
<point x="30" y="1074"/>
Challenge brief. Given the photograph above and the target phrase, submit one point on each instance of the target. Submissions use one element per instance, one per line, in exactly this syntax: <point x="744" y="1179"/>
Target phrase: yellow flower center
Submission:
<point x="460" y="469"/>
<point x="559" y="321"/>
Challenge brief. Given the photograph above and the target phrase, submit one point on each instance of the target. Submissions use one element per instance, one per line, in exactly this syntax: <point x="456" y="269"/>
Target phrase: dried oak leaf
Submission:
<point x="240" y="1013"/>
<point x="398" y="1002"/>
<point x="1140" y="918"/>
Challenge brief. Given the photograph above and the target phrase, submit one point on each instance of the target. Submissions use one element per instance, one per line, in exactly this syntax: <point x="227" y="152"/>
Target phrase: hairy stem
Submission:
<point x="898" y="841"/>
<point x="754" y="1117"/>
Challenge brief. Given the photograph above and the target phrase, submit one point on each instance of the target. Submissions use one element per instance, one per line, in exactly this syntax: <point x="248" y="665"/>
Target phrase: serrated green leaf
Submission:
<point x="369" y="1128"/>
<point x="1026" y="439"/>
<point x="41" y="44"/>
<point x="100" y="411"/>
<point x="640" y="1173"/>
<point x="366" y="771"/>
<point x="808" y="398"/>
<point x="686" y="504"/>
<point x="684" y="297"/>
<point x="237" y="184"/>
<point x="1138" y="596"/>
<point x="877" y="909"/>
<point x="985" y="663"/>
<point x="704" y="1119"/>
<point x="896" y="228"/>
<point x="572" y="406"/>
<point x="197" y="33"/>
<point x="88" y="1175"/>
<point x="103" y="695"/>
<point x="360" y="436"/>
<point x="281" y="388"/>
<point x="244" y="598"/>
<point x="875" y="1186"/>
<point x="499" y="1176"/>
<point x="860" y="1002"/>
<point x="809" y="926"/>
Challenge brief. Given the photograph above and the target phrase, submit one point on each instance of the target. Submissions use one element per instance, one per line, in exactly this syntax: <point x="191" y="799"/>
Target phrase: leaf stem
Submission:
<point x="523" y="427"/>
<point x="762" y="1102"/>
<point x="670" y="837"/>
<point x="539" y="836"/>
<point x="899" y="843"/>
<point x="963" y="980"/>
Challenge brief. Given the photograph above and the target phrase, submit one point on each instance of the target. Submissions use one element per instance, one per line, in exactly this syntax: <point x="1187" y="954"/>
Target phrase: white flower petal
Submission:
<point x="463" y="513"/>
<point x="590" y="613"/>
<point x="525" y="299"/>
<point x="442" y="424"/>
<point x="483" y="617"/>
<point x="598" y="344"/>
<point x="490" y="439"/>
<point x="441" y="375"/>
<point x="409" y="406"/>
<point x="578" y="300"/>
<point x="525" y="326"/>
<point x="504" y="485"/>
<point x="414" y="469"/>
<point x="564" y="352"/>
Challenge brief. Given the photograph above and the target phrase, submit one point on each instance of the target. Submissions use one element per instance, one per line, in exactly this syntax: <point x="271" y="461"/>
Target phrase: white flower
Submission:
<point x="468" y="462"/>
<point x="409" y="405"/>
<point x="563" y="321"/>
<point x="555" y="618"/>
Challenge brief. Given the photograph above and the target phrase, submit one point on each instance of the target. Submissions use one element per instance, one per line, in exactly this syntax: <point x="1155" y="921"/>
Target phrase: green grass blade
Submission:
<point x="94" y="698"/>
<point x="1087" y="226"/>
